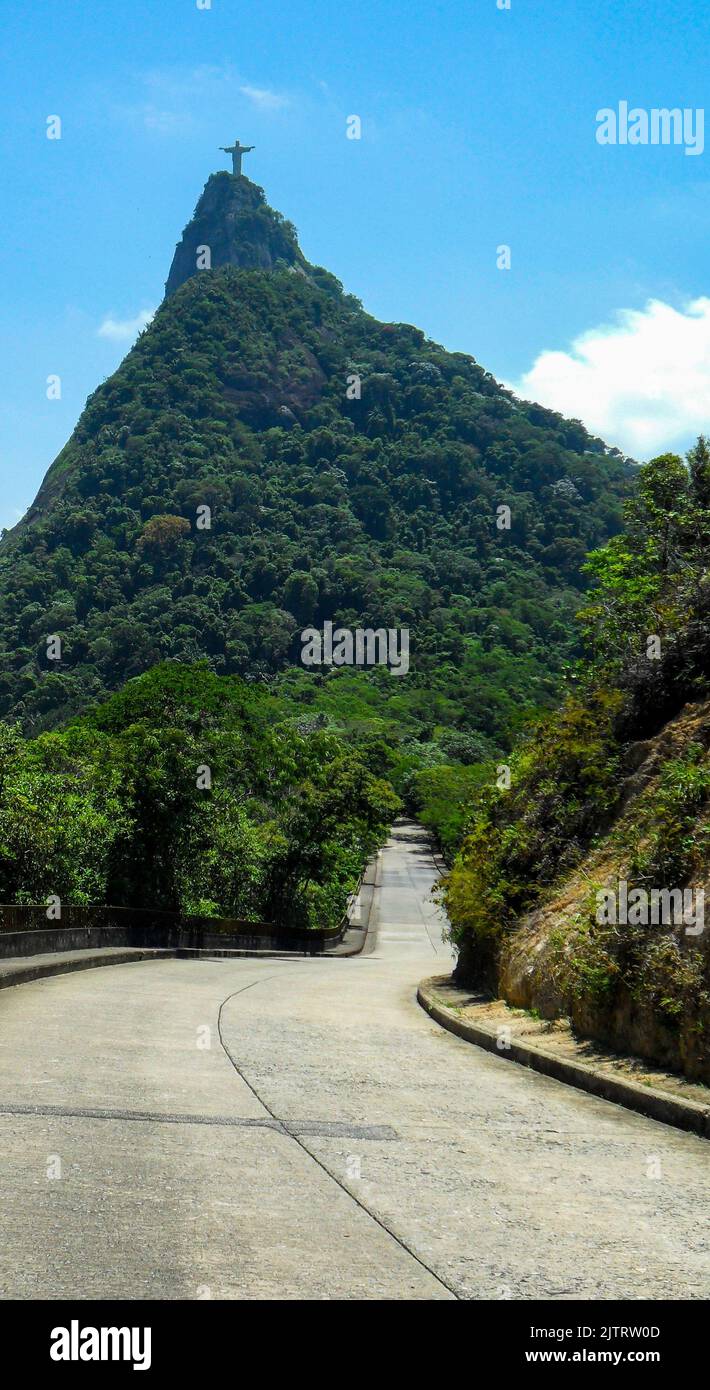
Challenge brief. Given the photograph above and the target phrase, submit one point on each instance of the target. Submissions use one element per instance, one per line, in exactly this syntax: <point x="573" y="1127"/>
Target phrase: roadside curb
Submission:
<point x="656" y="1105"/>
<point x="23" y="970"/>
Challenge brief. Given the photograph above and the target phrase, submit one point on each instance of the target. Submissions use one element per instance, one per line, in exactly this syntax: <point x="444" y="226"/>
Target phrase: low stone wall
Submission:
<point x="26" y="930"/>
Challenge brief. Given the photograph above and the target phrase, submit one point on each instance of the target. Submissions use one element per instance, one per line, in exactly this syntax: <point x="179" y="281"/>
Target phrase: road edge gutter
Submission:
<point x="645" y="1100"/>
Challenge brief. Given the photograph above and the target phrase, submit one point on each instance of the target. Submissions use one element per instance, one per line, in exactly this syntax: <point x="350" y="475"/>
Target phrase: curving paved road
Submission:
<point x="331" y="1142"/>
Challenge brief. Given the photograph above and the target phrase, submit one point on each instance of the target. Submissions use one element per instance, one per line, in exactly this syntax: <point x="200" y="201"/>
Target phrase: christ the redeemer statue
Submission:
<point x="237" y="150"/>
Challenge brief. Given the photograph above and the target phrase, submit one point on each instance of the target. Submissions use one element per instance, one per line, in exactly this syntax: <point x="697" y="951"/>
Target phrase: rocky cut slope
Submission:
<point x="269" y="456"/>
<point x="596" y="951"/>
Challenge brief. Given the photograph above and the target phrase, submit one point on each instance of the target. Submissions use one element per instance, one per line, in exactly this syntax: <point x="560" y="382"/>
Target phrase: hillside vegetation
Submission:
<point x="613" y="787"/>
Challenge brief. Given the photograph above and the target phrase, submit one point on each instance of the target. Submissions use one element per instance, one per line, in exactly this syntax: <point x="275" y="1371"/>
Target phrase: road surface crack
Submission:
<point x="379" y="1220"/>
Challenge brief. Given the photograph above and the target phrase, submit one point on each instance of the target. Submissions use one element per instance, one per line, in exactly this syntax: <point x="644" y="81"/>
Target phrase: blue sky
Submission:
<point x="479" y="129"/>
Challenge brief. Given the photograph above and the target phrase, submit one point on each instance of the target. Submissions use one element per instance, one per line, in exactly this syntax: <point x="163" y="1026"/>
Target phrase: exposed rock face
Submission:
<point x="234" y="220"/>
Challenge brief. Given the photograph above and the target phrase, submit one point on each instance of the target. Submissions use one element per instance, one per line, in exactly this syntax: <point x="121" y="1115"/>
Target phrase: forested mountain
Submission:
<point x="353" y="471"/>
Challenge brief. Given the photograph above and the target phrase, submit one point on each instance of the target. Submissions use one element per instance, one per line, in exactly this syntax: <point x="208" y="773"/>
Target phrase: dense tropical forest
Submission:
<point x="353" y="471"/>
<point x="189" y="790"/>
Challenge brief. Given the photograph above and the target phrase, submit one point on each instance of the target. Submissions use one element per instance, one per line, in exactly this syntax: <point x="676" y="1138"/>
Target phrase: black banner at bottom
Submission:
<point x="124" y="1338"/>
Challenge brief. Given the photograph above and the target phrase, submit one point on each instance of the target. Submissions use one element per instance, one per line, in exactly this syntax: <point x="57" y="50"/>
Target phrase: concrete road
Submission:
<point x="301" y="1129"/>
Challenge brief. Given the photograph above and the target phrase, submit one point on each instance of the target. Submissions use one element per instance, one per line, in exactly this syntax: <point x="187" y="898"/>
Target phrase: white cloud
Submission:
<point x="642" y="383"/>
<point x="264" y="99"/>
<point x="124" y="330"/>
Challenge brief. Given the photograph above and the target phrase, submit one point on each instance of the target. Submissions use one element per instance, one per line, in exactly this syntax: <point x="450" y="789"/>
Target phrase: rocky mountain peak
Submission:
<point x="233" y="225"/>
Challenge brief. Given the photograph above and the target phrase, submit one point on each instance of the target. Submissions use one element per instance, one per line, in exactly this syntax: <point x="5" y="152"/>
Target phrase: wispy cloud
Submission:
<point x="159" y="120"/>
<point x="265" y="99"/>
<point x="125" y="330"/>
<point x="179" y="99"/>
<point x="642" y="382"/>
